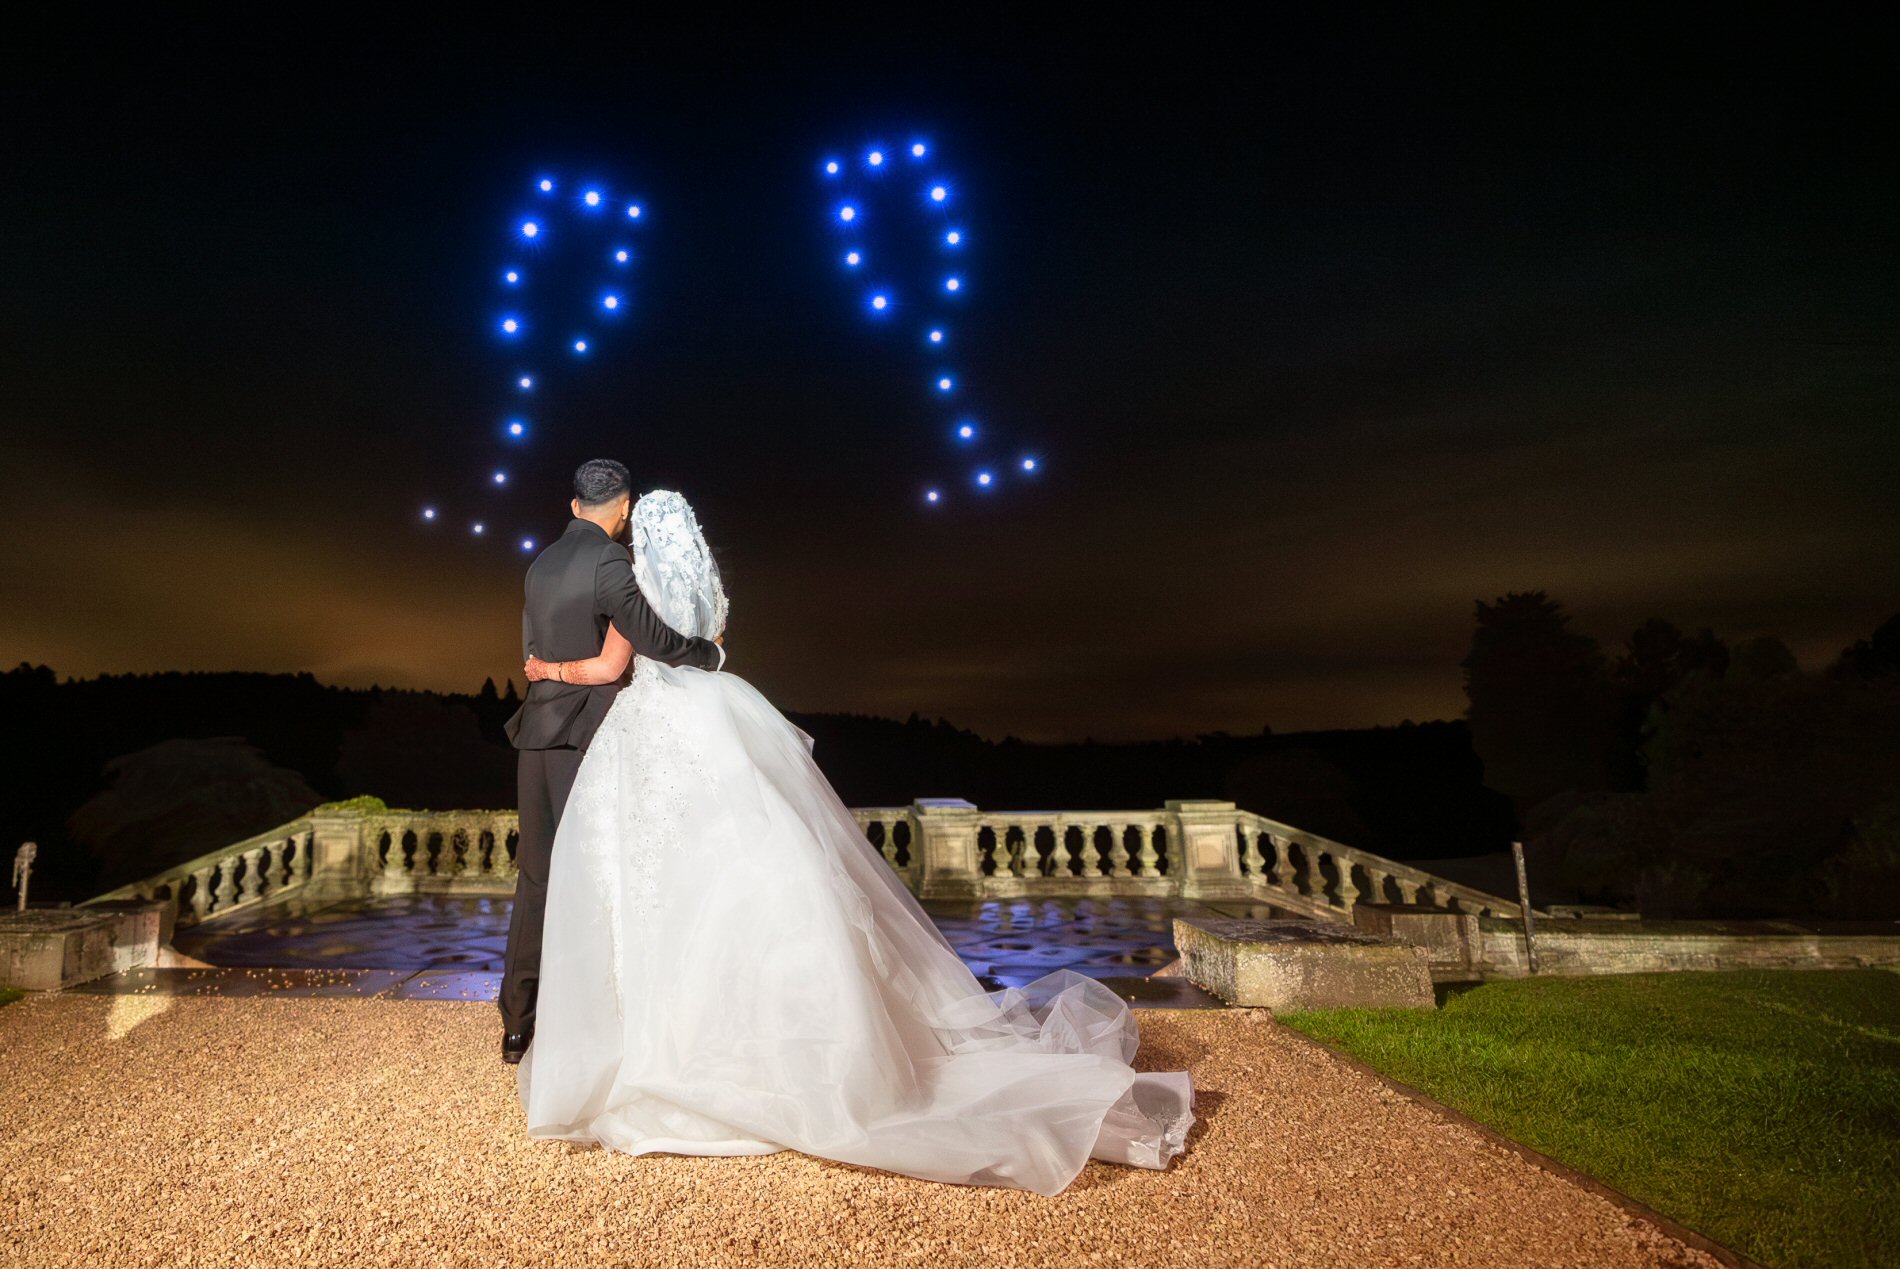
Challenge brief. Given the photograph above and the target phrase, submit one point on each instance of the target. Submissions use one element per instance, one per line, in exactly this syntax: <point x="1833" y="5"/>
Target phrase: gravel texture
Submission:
<point x="187" y="1131"/>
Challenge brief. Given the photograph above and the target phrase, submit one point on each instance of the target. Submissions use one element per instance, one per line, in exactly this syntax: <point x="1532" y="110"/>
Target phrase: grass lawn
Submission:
<point x="1759" y="1107"/>
<point x="10" y="994"/>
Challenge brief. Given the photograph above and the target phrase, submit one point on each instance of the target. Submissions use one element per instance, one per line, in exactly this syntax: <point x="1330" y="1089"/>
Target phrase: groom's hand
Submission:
<point x="720" y="639"/>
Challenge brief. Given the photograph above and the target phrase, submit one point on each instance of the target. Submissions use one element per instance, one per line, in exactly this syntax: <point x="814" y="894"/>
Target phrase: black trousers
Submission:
<point x="546" y="776"/>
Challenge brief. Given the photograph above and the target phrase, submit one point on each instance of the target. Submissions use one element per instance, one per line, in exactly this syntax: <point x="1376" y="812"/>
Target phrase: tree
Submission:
<point x="1542" y="716"/>
<point x="487" y="697"/>
<point x="1875" y="658"/>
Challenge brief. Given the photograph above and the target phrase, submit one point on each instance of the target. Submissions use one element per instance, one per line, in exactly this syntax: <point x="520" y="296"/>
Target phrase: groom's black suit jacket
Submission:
<point x="576" y="587"/>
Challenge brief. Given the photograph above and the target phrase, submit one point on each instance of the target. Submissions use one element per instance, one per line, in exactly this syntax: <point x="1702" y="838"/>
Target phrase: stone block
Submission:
<point x="1447" y="937"/>
<point x="1292" y="965"/>
<point x="45" y="949"/>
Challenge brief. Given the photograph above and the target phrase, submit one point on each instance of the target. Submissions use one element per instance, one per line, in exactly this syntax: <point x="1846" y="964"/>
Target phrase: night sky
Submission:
<point x="1323" y="333"/>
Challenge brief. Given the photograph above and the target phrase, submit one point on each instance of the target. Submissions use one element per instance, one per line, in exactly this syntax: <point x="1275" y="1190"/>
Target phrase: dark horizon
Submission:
<point x="1324" y="338"/>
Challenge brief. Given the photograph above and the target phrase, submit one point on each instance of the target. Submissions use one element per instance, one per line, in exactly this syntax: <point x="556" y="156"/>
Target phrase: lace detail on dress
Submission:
<point x="657" y="766"/>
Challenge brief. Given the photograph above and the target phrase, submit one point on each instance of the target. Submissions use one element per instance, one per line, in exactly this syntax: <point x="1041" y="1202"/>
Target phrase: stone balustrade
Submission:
<point x="1318" y="877"/>
<point x="944" y="848"/>
<point x="252" y="871"/>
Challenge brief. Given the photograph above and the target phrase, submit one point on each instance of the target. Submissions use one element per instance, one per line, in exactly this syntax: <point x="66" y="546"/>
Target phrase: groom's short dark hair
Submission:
<point x="601" y="480"/>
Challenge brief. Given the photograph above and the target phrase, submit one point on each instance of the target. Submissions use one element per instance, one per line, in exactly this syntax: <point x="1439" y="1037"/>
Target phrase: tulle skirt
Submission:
<point x="729" y="967"/>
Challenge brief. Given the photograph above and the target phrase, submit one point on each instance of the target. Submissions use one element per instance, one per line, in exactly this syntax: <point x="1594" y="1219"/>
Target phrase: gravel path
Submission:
<point x="146" y="1130"/>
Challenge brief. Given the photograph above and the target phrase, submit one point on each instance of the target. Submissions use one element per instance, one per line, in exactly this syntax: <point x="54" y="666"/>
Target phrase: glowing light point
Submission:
<point x="938" y="193"/>
<point x="831" y="168"/>
<point x="591" y="198"/>
<point x="515" y="428"/>
<point x="852" y="258"/>
<point x="476" y="528"/>
<point x="526" y="383"/>
<point x="610" y="302"/>
<point x="917" y="151"/>
<point x="620" y="256"/>
<point x="983" y="478"/>
<point x="510" y="325"/>
<point x="879" y="302"/>
<point x="847" y="213"/>
<point x="876" y="158"/>
<point x="933" y="496"/>
<point x="936" y="337"/>
<point x="501" y="477"/>
<point x="951" y="284"/>
<point x="580" y="345"/>
<point x="428" y="513"/>
<point x="633" y="211"/>
<point x="529" y="229"/>
<point x="953" y="237"/>
<point x="527" y="544"/>
<point x="1029" y="464"/>
<point x="966" y="431"/>
<point x="943" y="384"/>
<point x="512" y="277"/>
<point x="546" y="185"/>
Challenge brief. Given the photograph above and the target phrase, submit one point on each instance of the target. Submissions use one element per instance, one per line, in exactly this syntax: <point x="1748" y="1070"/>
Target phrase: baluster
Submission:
<point x="281" y="877"/>
<point x="1111" y="861"/>
<point x="1149" y="860"/>
<point x="226" y="893"/>
<point x="1348" y="893"/>
<point x="1377" y="878"/>
<point x="253" y="887"/>
<point x="201" y="895"/>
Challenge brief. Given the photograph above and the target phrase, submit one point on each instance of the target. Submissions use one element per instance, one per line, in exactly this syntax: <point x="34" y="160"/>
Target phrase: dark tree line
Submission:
<point x="1687" y="776"/>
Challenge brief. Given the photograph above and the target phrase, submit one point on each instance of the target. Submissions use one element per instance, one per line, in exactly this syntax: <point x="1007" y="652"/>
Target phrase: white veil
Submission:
<point x="674" y="567"/>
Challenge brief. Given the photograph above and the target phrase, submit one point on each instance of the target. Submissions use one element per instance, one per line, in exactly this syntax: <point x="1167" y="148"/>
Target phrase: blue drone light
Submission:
<point x="966" y="431"/>
<point x="847" y="213"/>
<point x="936" y="337"/>
<point x="516" y="427"/>
<point x="591" y="198"/>
<point x="983" y="478"/>
<point x="831" y="168"/>
<point x="853" y="259"/>
<point x="953" y="237"/>
<point x="620" y="256"/>
<point x="526" y="382"/>
<point x="511" y="277"/>
<point x="580" y="345"/>
<point x="527" y="544"/>
<point x="1029" y="464"/>
<point x="428" y="513"/>
<point x="509" y="325"/>
<point x="875" y="158"/>
<point x="933" y="496"/>
<point x="547" y="186"/>
<point x="633" y="211"/>
<point x="952" y="284"/>
<point x="610" y="302"/>
<point x="529" y="229"/>
<point x="944" y="384"/>
<point x="476" y="528"/>
<point x="938" y="193"/>
<point x="917" y="150"/>
<point x="501" y="477"/>
<point x="880" y="302"/>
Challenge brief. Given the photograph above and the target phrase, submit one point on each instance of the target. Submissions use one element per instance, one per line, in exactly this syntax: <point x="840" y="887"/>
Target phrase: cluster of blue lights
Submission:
<point x="555" y="222"/>
<point x="876" y="203"/>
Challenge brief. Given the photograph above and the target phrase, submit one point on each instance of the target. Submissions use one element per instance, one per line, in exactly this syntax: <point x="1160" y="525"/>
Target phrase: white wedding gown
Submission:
<point x="729" y="967"/>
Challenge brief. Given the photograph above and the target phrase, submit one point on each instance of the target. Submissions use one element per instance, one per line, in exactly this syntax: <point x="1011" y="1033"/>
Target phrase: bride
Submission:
<point x="731" y="968"/>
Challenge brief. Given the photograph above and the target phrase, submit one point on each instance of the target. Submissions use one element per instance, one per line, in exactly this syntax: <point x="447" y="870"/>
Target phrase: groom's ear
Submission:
<point x="575" y="506"/>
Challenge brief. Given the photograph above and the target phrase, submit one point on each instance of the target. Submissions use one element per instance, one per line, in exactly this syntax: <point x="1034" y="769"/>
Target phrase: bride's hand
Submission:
<point x="536" y="669"/>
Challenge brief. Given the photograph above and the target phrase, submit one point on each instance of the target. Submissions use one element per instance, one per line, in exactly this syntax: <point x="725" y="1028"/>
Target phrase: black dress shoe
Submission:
<point x="514" y="1045"/>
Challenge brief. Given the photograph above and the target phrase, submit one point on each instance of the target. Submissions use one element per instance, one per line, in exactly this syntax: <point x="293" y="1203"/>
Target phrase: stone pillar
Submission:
<point x="337" y="868"/>
<point x="947" y="864"/>
<point x="1206" y="856"/>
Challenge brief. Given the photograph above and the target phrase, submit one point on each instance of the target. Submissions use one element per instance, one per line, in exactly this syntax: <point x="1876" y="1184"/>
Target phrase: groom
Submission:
<point x="577" y="586"/>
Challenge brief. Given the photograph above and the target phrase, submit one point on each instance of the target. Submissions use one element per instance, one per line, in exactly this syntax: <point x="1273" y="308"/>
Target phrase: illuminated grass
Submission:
<point x="1760" y="1107"/>
<point x="10" y="994"/>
